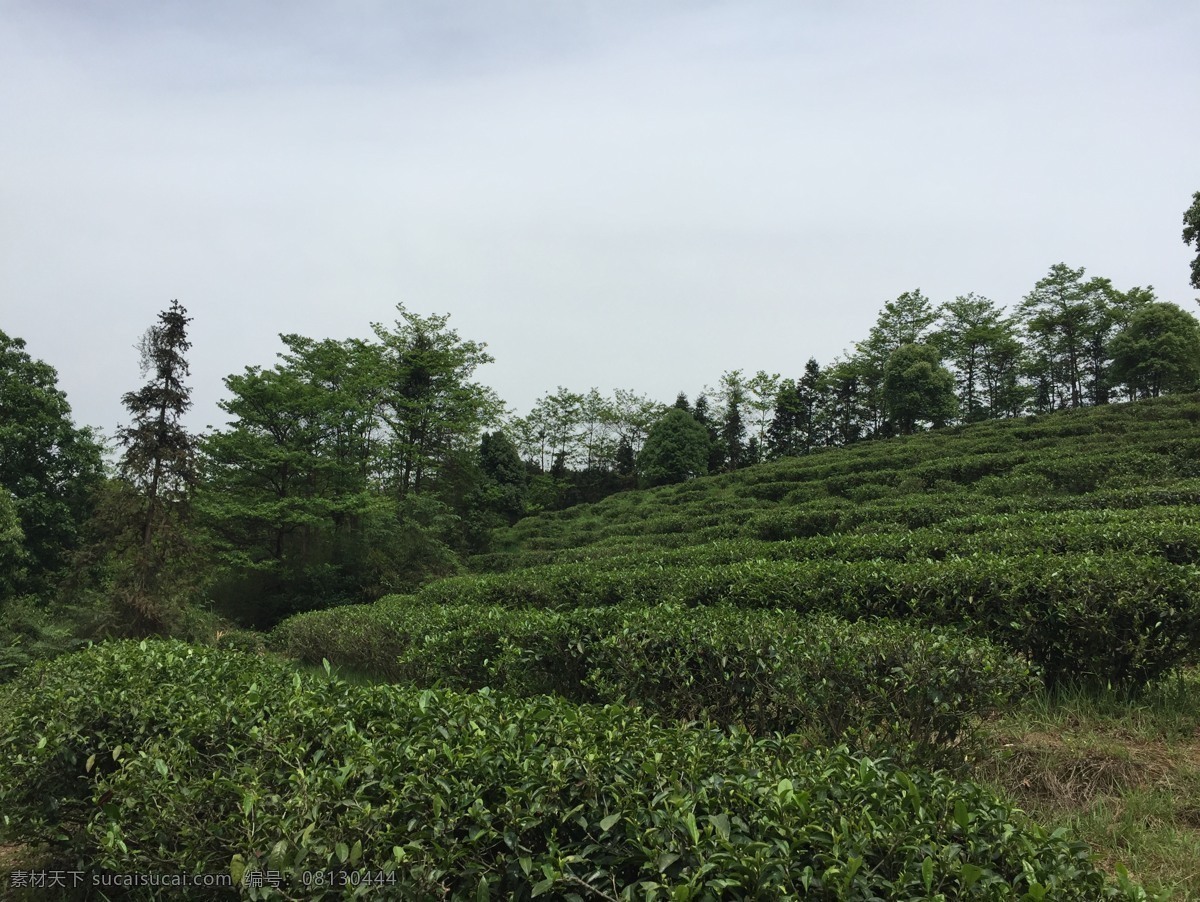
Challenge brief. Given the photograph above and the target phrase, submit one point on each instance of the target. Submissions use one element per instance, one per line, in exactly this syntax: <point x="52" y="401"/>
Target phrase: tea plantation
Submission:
<point x="805" y="679"/>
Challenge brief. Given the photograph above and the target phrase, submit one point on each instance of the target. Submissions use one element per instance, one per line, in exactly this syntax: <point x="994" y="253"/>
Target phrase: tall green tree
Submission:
<point x="795" y="427"/>
<point x="13" y="557"/>
<point x="733" y="394"/>
<point x="675" y="450"/>
<point x="1191" y="235"/>
<point x="350" y="469"/>
<point x="917" y="388"/>
<point x="849" y="417"/>
<point x="625" y="461"/>
<point x="702" y="413"/>
<point x="291" y="492"/>
<point x="762" y="391"/>
<point x="811" y="392"/>
<point x="1158" y="351"/>
<point x="633" y="416"/>
<point x="531" y="436"/>
<point x="430" y="404"/>
<point x="559" y="420"/>
<point x="506" y="479"/>
<point x="294" y="470"/>
<point x="160" y="454"/>
<point x="49" y="466"/>
<point x="1068" y="321"/>
<point x="968" y="330"/>
<point x="783" y="435"/>
<point x="598" y="421"/>
<point x="155" y="577"/>
<point x="1120" y="309"/>
<point x="1002" y="365"/>
<point x="906" y="320"/>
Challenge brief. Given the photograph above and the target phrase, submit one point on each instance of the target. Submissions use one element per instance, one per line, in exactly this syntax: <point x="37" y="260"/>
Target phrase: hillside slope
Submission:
<point x="891" y="597"/>
<point x="1121" y="456"/>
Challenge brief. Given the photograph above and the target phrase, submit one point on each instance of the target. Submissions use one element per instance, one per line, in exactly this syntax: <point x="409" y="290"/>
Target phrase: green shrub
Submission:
<point x="1170" y="533"/>
<point x="365" y="638"/>
<point x="177" y="759"/>
<point x="890" y="688"/>
<point x="1119" y="619"/>
<point x="240" y="640"/>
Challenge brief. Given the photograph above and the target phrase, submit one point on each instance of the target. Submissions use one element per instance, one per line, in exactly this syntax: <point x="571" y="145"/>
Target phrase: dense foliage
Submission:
<point x="1119" y="618"/>
<point x="167" y="758"/>
<point x="48" y="466"/>
<point x="49" y="471"/>
<point x="882" y="687"/>
<point x="348" y="470"/>
<point x="676" y="449"/>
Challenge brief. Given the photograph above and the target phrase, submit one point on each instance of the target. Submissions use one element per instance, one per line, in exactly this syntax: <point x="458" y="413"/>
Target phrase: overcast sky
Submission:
<point x="614" y="194"/>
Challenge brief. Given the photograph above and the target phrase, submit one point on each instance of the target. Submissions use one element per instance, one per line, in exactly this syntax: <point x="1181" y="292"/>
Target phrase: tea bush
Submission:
<point x="167" y="758"/>
<point x="881" y="687"/>
<point x="364" y="637"/>
<point x="1172" y="533"/>
<point x="1119" y="619"/>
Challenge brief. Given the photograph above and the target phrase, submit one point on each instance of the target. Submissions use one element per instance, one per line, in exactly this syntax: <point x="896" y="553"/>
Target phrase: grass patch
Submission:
<point x="1120" y="771"/>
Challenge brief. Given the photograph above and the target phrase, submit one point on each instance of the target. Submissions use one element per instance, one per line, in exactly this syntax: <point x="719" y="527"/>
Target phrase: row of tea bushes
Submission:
<point x="1116" y="619"/>
<point x="165" y="758"/>
<point x="933" y="509"/>
<point x="881" y="687"/>
<point x="1172" y="533"/>
<point x="667" y="523"/>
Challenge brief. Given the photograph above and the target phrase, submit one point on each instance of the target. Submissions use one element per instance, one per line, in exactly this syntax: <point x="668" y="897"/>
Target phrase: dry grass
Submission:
<point x="1067" y="772"/>
<point x="1120" y="772"/>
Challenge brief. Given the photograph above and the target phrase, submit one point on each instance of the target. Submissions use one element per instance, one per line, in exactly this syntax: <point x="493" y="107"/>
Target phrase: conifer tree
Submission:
<point x="142" y="521"/>
<point x="782" y="434"/>
<point x="810" y="391"/>
<point x="160" y="455"/>
<point x="733" y="425"/>
<point x="505" y="476"/>
<point x="845" y="408"/>
<point x="625" y="462"/>
<point x="702" y="415"/>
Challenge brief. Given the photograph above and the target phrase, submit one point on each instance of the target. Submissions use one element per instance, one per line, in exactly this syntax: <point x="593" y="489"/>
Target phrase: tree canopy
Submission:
<point x="676" y="449"/>
<point x="160" y="454"/>
<point x="1158" y="351"/>
<point x="48" y="465"/>
<point x="347" y="466"/>
<point x="916" y="388"/>
<point x="1191" y="235"/>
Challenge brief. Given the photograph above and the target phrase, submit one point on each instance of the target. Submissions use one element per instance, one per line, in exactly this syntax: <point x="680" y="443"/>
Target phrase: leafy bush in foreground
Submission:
<point x="181" y="759"/>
